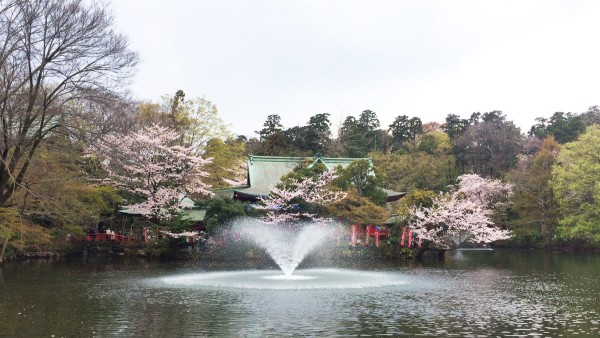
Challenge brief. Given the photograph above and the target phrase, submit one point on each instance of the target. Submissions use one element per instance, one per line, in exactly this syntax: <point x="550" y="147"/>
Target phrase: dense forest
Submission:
<point x="67" y="122"/>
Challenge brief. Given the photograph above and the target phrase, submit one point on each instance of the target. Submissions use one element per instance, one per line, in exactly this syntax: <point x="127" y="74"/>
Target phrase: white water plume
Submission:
<point x="286" y="245"/>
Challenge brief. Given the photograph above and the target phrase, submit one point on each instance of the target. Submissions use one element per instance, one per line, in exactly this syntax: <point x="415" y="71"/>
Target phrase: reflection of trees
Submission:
<point x="167" y="312"/>
<point x="484" y="292"/>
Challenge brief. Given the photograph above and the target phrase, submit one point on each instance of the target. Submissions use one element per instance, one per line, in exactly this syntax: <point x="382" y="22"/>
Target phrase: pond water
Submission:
<point x="471" y="293"/>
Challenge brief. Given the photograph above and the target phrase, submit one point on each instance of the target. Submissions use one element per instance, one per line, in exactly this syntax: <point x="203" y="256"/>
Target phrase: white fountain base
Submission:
<point x="289" y="277"/>
<point x="274" y="280"/>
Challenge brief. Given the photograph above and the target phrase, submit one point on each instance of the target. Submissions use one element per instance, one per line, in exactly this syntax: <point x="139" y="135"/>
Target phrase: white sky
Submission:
<point x="417" y="58"/>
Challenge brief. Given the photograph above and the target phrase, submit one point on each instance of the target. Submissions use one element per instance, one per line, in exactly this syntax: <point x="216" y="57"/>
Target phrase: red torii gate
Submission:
<point x="370" y="231"/>
<point x="377" y="233"/>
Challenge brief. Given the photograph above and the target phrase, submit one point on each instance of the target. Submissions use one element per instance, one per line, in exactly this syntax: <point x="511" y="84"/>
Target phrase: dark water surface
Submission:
<point x="471" y="293"/>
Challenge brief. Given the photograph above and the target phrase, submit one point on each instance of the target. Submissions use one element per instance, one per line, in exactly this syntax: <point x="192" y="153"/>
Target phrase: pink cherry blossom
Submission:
<point x="150" y="163"/>
<point x="462" y="215"/>
<point x="240" y="175"/>
<point x="491" y="193"/>
<point x="282" y="203"/>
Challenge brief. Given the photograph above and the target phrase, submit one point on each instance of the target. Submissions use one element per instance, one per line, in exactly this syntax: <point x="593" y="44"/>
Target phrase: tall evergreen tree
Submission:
<point x="564" y="127"/>
<point x="455" y="126"/>
<point x="271" y="126"/>
<point x="405" y="129"/>
<point x="318" y="133"/>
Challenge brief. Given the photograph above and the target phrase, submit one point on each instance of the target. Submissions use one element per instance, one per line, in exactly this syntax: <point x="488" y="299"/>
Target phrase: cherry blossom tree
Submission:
<point x="151" y="164"/>
<point x="492" y="194"/>
<point x="284" y="204"/>
<point x="239" y="173"/>
<point x="463" y="215"/>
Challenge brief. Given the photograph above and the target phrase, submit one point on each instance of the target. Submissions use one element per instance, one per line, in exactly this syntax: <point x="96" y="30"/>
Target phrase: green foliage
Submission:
<point x="318" y="133"/>
<point x="352" y="138"/>
<point x="57" y="56"/>
<point x="158" y="247"/>
<point x="151" y="113"/>
<point x="310" y="176"/>
<point x="56" y="202"/>
<point x="360" y="177"/>
<point x="177" y="223"/>
<point x="360" y="136"/>
<point x="535" y="208"/>
<point x="197" y="120"/>
<point x="227" y="157"/>
<point x="406" y="253"/>
<point x="64" y="238"/>
<point x="406" y="172"/>
<point x="21" y="236"/>
<point x="309" y="140"/>
<point x="418" y="197"/>
<point x="295" y="139"/>
<point x="576" y="185"/>
<point x="357" y="209"/>
<point x="276" y="145"/>
<point x="485" y="144"/>
<point x="455" y="126"/>
<point x="368" y="121"/>
<point x="405" y="129"/>
<point x="221" y="211"/>
<point x="591" y="116"/>
<point x="564" y="127"/>
<point x="434" y="143"/>
<point x="56" y="194"/>
<point x="525" y="236"/>
<point x="178" y="116"/>
<point x="9" y="222"/>
<point x="305" y="169"/>
<point x="73" y="203"/>
<point x="271" y="126"/>
<point x="312" y="139"/>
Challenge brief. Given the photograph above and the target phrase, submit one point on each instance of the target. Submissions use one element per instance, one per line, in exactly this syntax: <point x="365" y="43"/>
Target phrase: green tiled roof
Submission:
<point x="265" y="172"/>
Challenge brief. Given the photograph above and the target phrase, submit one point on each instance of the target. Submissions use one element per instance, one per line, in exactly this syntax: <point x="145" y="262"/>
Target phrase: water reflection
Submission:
<point x="498" y="293"/>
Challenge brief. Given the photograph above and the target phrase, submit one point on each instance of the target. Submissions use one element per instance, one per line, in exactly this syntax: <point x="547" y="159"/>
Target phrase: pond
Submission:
<point x="471" y="293"/>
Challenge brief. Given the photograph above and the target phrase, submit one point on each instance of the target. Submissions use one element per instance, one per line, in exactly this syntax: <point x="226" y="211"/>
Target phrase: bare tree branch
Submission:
<point x="53" y="54"/>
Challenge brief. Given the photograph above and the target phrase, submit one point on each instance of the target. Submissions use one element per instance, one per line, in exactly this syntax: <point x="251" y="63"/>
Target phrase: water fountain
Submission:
<point x="287" y="246"/>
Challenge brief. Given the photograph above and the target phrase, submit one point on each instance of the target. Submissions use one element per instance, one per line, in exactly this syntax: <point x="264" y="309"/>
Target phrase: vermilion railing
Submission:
<point x="103" y="237"/>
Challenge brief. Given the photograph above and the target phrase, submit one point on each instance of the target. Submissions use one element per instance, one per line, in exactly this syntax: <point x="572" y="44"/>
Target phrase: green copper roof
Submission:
<point x="265" y="172"/>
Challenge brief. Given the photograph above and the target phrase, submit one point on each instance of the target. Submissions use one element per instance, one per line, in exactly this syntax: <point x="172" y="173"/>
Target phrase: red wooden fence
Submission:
<point x="102" y="237"/>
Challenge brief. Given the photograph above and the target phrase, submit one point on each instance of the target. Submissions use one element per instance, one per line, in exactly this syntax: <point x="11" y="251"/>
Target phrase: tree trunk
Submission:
<point x="547" y="231"/>
<point x="3" y="249"/>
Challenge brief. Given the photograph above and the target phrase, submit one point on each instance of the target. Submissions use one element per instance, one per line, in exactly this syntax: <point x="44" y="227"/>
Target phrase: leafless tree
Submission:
<point x="97" y="116"/>
<point x="54" y="55"/>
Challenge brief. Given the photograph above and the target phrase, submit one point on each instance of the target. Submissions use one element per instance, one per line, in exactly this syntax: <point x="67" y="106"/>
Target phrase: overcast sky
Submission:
<point x="417" y="58"/>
